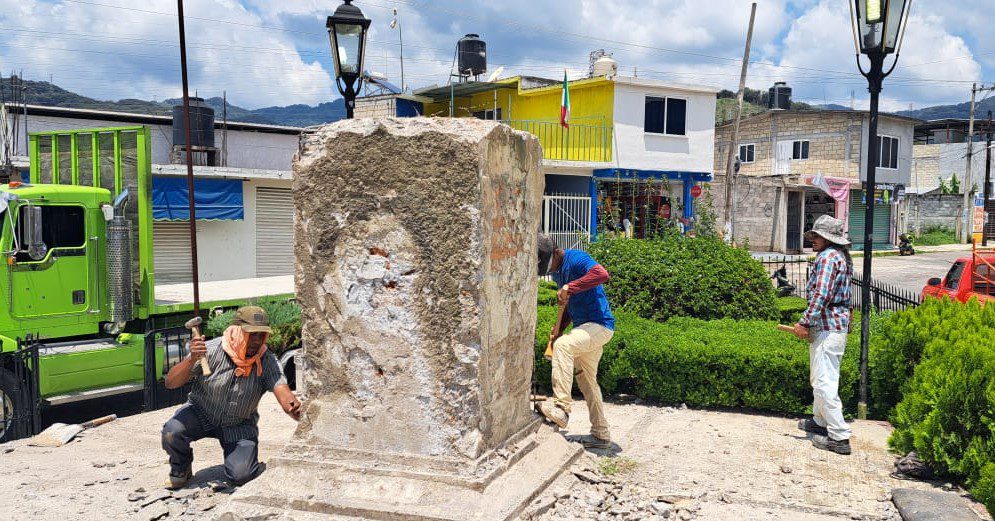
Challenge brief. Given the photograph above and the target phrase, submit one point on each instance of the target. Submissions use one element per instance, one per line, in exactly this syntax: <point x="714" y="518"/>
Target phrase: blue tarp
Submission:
<point x="215" y="199"/>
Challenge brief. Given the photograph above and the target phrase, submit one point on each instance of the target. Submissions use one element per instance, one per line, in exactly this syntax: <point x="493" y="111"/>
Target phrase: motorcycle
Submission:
<point x="784" y="286"/>
<point x="905" y="246"/>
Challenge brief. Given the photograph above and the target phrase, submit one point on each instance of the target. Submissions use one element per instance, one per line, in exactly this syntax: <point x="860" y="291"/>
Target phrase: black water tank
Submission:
<point x="779" y="96"/>
<point x="472" y="55"/>
<point x="201" y="127"/>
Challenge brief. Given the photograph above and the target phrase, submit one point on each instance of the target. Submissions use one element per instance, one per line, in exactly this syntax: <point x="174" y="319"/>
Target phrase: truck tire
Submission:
<point x="8" y="404"/>
<point x="288" y="364"/>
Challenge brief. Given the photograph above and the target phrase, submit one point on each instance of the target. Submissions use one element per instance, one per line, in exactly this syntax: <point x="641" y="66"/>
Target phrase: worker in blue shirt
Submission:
<point x="580" y="281"/>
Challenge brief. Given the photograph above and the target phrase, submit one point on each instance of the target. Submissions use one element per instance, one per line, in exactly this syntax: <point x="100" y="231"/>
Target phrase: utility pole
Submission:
<point x="730" y="229"/>
<point x="988" y="178"/>
<point x="966" y="223"/>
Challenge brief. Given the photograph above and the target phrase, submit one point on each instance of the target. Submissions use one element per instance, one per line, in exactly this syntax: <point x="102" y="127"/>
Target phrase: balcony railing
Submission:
<point x="586" y="140"/>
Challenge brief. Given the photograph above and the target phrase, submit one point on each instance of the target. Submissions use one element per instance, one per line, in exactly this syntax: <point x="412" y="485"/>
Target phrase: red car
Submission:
<point x="972" y="276"/>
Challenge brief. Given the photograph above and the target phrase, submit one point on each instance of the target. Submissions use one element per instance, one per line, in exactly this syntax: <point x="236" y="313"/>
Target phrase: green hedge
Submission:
<point x="791" y="309"/>
<point x="284" y="319"/>
<point x="674" y="276"/>
<point x="719" y="363"/>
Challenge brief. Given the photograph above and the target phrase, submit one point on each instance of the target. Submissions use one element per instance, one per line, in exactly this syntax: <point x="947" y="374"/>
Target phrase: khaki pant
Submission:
<point x="581" y="348"/>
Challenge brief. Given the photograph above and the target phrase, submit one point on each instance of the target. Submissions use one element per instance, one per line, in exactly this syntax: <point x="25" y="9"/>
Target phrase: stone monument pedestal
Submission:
<point x="415" y="246"/>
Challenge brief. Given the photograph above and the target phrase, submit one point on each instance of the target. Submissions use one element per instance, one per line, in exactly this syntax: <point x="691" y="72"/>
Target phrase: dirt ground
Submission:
<point x="686" y="464"/>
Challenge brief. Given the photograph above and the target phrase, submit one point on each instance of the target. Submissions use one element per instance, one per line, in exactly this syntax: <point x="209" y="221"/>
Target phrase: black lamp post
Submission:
<point x="878" y="30"/>
<point x="347" y="32"/>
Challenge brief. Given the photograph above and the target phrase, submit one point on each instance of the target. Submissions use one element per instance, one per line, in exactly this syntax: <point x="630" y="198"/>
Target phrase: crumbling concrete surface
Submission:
<point x="415" y="246"/>
<point x="415" y="243"/>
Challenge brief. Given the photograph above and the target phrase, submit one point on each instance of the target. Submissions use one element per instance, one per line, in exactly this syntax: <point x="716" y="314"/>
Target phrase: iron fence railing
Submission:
<point x="20" y="399"/>
<point x="164" y="348"/>
<point x="578" y="142"/>
<point x="884" y="297"/>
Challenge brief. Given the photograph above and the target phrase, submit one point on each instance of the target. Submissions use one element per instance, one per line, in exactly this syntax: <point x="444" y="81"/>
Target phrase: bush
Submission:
<point x="984" y="489"/>
<point x="791" y="309"/>
<point x="720" y="363"/>
<point x="902" y="341"/>
<point x="284" y="319"/>
<point x="674" y="276"/>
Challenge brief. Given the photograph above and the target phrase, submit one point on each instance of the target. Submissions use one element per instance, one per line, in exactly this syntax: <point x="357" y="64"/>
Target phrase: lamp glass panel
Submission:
<point x="348" y="38"/>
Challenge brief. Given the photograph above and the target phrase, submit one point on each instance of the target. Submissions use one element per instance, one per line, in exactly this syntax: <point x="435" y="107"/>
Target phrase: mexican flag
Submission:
<point x="565" y="103"/>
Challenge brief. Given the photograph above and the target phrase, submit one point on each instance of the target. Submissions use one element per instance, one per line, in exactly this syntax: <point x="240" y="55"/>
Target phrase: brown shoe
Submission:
<point x="554" y="414"/>
<point x="593" y="442"/>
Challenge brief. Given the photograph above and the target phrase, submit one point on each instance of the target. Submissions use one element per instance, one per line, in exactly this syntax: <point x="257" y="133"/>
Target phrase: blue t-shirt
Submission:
<point x="586" y="306"/>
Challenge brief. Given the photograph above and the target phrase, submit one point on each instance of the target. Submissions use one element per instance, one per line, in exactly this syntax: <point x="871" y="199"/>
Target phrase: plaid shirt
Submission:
<point x="828" y="293"/>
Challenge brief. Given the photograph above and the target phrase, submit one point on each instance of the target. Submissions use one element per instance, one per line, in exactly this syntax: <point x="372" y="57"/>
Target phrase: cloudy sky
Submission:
<point x="266" y="52"/>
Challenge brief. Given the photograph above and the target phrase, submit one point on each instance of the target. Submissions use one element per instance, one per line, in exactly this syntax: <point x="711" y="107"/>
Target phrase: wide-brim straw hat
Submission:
<point x="829" y="228"/>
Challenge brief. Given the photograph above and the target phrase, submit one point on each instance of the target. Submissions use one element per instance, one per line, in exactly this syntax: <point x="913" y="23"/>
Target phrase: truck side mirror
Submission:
<point x="935" y="281"/>
<point x="33" y="242"/>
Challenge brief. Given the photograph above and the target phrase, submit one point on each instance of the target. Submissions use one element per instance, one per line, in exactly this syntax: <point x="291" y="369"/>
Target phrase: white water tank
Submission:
<point x="605" y="66"/>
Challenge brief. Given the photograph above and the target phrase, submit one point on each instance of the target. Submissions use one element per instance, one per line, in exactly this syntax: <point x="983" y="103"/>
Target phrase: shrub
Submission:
<point x="284" y="319"/>
<point x="720" y="363"/>
<point x="791" y="309"/>
<point x="902" y="342"/>
<point x="674" y="276"/>
<point x="984" y="489"/>
<point x="946" y="413"/>
<point x="936" y="235"/>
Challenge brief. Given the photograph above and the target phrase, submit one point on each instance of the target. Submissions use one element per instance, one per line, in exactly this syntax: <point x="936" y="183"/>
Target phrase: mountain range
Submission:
<point x="45" y="93"/>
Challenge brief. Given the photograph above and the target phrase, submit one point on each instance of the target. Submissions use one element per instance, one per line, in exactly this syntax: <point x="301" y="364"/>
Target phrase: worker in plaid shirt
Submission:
<point x="825" y="325"/>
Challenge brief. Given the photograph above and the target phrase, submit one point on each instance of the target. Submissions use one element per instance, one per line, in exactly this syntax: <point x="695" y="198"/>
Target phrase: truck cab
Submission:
<point x="968" y="277"/>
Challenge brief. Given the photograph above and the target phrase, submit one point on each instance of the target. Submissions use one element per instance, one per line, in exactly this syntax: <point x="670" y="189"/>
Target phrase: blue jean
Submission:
<point x="184" y="428"/>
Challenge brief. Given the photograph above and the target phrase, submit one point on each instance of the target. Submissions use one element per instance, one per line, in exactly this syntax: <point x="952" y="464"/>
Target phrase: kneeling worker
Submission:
<point x="223" y="404"/>
<point x="580" y="280"/>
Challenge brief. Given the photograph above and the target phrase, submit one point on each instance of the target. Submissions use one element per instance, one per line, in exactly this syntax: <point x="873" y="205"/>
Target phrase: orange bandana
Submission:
<point x="235" y="342"/>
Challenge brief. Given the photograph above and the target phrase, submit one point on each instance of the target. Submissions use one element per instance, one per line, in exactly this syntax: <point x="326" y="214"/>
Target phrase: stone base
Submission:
<point x="299" y="486"/>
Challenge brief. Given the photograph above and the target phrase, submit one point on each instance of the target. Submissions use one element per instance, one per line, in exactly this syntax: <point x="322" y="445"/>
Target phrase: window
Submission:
<point x="888" y="152"/>
<point x="953" y="276"/>
<point x="983" y="280"/>
<point x="62" y="227"/>
<point x="747" y="153"/>
<point x="799" y="150"/>
<point x="487" y="114"/>
<point x="666" y="116"/>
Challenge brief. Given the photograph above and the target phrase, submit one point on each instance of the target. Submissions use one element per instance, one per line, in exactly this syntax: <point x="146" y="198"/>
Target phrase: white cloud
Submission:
<point x="932" y="66"/>
<point x="113" y="53"/>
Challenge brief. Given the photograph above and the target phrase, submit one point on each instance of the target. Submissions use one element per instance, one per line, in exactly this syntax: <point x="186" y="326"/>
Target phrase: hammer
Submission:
<point x="194" y="326"/>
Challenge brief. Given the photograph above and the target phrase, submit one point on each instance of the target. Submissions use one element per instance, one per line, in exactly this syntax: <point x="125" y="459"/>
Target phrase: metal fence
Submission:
<point x="164" y="348"/>
<point x="567" y="220"/>
<point x="884" y="297"/>
<point x="20" y="399"/>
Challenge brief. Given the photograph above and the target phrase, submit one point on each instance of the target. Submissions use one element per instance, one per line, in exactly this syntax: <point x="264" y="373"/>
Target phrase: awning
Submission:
<point x="215" y="199"/>
<point x="638" y="174"/>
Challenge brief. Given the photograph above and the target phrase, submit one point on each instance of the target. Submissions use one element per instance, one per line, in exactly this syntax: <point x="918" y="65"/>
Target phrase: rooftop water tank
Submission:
<point x="472" y="53"/>
<point x="605" y="66"/>
<point x="779" y="96"/>
<point x="201" y="124"/>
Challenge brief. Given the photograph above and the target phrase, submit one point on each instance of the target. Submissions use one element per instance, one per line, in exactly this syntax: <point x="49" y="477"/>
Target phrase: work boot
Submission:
<point x="809" y="425"/>
<point x="827" y="443"/>
<point x="593" y="442"/>
<point x="178" y="480"/>
<point x="554" y="414"/>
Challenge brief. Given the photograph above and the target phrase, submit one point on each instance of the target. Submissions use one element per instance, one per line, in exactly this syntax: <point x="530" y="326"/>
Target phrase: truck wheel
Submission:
<point x="288" y="364"/>
<point x="8" y="402"/>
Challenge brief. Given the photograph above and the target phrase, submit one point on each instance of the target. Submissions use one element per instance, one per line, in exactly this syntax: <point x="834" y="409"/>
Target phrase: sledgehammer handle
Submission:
<point x="204" y="366"/>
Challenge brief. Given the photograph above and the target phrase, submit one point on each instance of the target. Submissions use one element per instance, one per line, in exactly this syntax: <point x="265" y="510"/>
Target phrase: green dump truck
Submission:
<point x="82" y="316"/>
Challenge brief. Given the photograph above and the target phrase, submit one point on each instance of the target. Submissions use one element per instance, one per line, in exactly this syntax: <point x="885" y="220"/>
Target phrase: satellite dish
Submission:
<point x="494" y="75"/>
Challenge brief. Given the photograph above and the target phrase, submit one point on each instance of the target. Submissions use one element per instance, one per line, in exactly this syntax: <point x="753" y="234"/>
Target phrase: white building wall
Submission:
<point x="903" y="130"/>
<point x="634" y="148"/>
<point x="226" y="250"/>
